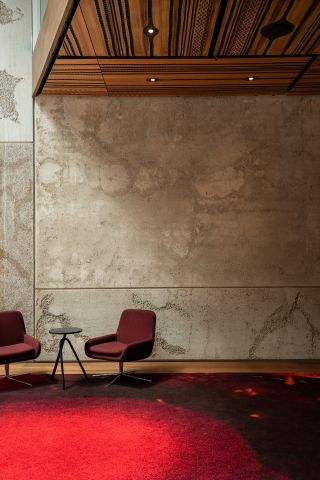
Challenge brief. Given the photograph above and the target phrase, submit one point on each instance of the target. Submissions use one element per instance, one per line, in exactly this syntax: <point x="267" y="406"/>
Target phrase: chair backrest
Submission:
<point x="12" y="327"/>
<point x="135" y="325"/>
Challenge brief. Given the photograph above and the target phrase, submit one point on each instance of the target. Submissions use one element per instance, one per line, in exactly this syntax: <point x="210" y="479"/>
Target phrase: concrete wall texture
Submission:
<point x="205" y="210"/>
<point x="16" y="160"/>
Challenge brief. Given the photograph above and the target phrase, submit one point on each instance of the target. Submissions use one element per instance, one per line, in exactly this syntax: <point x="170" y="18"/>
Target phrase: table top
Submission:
<point x="65" y="330"/>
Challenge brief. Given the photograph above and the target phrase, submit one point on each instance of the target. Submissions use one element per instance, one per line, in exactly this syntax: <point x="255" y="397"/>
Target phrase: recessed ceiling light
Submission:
<point x="150" y="30"/>
<point x="251" y="78"/>
<point x="152" y="79"/>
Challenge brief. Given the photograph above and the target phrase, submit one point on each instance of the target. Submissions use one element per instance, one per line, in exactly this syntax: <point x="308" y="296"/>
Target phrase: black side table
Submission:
<point x="65" y="331"/>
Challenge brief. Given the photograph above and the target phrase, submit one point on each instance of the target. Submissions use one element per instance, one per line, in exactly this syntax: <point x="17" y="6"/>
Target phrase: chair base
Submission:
<point x="119" y="375"/>
<point x="13" y="378"/>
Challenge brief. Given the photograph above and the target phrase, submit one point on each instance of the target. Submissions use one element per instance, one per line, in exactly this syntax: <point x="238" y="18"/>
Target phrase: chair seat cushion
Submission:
<point x="16" y="351"/>
<point x="111" y="349"/>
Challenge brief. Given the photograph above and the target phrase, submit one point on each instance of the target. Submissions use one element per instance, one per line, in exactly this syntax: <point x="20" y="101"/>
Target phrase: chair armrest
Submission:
<point x="138" y="350"/>
<point x="33" y="342"/>
<point x="102" y="339"/>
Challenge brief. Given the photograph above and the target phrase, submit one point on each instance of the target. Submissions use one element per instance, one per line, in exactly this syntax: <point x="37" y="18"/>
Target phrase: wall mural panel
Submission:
<point x="193" y="323"/>
<point x="15" y="71"/>
<point x="16" y="229"/>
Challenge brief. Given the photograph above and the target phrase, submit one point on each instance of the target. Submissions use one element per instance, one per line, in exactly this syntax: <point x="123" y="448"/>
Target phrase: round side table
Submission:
<point x="64" y="332"/>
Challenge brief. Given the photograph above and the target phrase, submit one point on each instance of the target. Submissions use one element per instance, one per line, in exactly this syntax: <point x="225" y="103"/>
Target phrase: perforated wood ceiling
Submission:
<point x="196" y="47"/>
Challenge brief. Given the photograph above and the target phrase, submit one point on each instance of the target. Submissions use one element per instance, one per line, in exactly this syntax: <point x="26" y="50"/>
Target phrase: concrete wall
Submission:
<point x="16" y="159"/>
<point x="204" y="209"/>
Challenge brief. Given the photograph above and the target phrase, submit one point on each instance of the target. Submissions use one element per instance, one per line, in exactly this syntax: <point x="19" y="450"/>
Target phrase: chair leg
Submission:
<point x="106" y="375"/>
<point x="114" y="380"/>
<point x="130" y="374"/>
<point x="19" y="381"/>
<point x="136" y="377"/>
<point x="6" y="368"/>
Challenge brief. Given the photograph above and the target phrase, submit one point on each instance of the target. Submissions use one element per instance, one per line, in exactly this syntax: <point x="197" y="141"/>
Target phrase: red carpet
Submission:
<point x="92" y="433"/>
<point x="120" y="439"/>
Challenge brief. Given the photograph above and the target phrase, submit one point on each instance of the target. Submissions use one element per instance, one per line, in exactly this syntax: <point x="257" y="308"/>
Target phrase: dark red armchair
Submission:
<point x="133" y="340"/>
<point x="15" y="344"/>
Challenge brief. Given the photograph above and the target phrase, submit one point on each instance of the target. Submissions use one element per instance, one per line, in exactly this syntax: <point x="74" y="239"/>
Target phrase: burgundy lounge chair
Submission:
<point x="15" y="344"/>
<point x="133" y="341"/>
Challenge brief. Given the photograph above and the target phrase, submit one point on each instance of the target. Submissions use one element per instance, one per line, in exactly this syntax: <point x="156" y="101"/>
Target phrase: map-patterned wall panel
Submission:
<point x="16" y="229"/>
<point x="15" y="71"/>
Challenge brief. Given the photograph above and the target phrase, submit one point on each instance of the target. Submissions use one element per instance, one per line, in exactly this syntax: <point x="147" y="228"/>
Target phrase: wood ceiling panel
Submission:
<point x="137" y="19"/>
<point x="100" y="39"/>
<point x="192" y="91"/>
<point x="186" y="28"/>
<point x="161" y="16"/>
<point x="305" y="15"/>
<point x="309" y="84"/>
<point x="204" y="76"/>
<point x="77" y="42"/>
<point x="240" y="32"/>
<point x="116" y="30"/>
<point x="240" y="22"/>
<point x="191" y="28"/>
<point x="75" y="77"/>
<point x="183" y="65"/>
<point x="202" y="47"/>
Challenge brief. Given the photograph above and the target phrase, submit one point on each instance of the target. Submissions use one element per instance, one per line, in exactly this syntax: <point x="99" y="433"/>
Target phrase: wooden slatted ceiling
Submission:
<point x="224" y="76"/>
<point x="75" y="77"/>
<point x="105" y="51"/>
<point x="242" y="22"/>
<point x="191" y="28"/>
<point x="77" y="42"/>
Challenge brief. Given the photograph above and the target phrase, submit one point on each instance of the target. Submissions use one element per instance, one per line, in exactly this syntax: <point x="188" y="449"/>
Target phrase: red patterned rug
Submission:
<point x="221" y="427"/>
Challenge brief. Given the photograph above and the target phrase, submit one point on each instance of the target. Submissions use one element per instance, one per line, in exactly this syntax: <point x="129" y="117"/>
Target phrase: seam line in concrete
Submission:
<point x="173" y="287"/>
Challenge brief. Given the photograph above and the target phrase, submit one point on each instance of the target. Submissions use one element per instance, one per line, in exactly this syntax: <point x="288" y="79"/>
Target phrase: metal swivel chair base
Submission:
<point x="13" y="378"/>
<point x="119" y="375"/>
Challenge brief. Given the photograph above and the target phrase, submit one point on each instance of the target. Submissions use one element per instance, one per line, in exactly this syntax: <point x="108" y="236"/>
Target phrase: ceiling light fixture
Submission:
<point x="150" y="30"/>
<point x="152" y="79"/>
<point x="251" y="78"/>
<point x="277" y="29"/>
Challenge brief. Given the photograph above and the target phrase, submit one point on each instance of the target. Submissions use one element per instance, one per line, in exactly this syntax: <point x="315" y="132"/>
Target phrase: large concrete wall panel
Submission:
<point x="192" y="323"/>
<point x="177" y="192"/>
<point x="205" y="209"/>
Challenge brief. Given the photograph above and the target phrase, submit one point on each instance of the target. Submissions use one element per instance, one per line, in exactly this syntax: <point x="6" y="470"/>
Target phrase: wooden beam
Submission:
<point x="55" y="23"/>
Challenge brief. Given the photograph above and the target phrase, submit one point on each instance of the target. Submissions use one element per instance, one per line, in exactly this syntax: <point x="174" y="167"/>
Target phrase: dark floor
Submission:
<point x="277" y="416"/>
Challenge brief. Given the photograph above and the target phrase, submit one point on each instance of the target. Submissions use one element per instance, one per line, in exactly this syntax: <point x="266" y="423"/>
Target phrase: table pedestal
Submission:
<point x="60" y="357"/>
